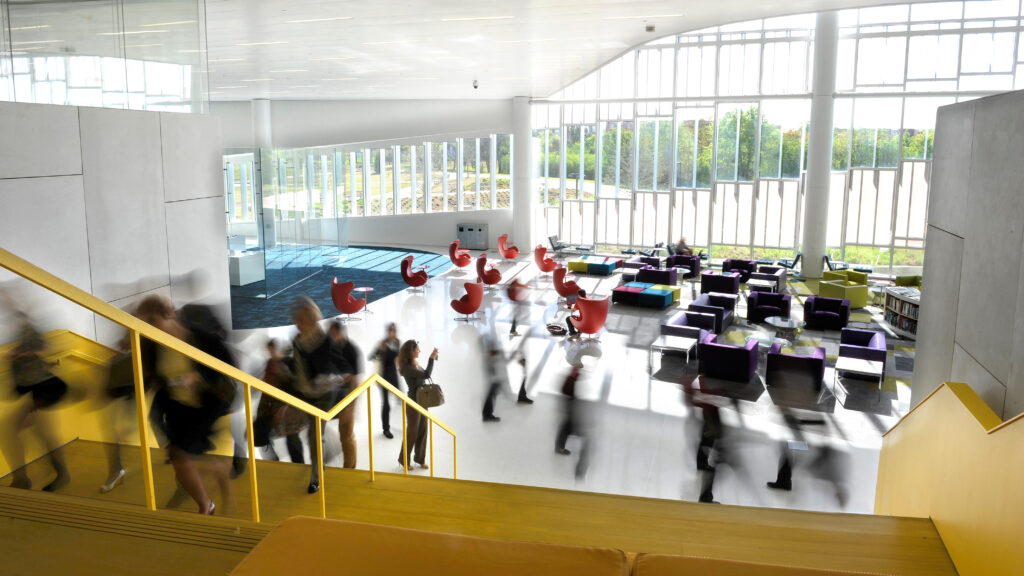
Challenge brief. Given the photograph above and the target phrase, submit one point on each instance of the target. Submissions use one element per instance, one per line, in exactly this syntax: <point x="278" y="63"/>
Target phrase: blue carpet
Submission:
<point x="376" y="267"/>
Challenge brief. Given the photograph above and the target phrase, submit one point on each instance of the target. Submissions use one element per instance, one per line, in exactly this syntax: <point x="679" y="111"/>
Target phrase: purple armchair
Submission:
<point x="727" y="362"/>
<point x="793" y="372"/>
<point x="863" y="344"/>
<point x="761" y="305"/>
<point x="690" y="262"/>
<point x="652" y="275"/>
<point x="744" y="267"/>
<point x="822" y="313"/>
<point x="726" y="283"/>
<point x="638" y="262"/>
<point x="689" y="324"/>
<point x="721" y="306"/>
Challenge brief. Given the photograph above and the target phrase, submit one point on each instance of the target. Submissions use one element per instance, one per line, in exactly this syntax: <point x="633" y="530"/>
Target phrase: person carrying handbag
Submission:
<point x="416" y="423"/>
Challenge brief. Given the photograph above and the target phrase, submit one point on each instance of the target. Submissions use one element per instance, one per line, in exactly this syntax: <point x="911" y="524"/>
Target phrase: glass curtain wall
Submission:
<point x="711" y="129"/>
<point x="290" y="207"/>
<point x="137" y="54"/>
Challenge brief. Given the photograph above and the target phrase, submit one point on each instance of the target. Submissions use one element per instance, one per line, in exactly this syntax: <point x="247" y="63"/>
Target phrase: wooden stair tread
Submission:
<point x="865" y="543"/>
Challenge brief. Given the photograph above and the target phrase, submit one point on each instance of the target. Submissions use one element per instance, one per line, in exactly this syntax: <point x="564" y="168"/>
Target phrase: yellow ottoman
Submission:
<point x="578" y="265"/>
<point x="673" y="289"/>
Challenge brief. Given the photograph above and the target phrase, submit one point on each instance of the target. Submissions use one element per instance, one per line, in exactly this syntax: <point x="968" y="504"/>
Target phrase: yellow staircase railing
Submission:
<point x="137" y="329"/>
<point x="952" y="459"/>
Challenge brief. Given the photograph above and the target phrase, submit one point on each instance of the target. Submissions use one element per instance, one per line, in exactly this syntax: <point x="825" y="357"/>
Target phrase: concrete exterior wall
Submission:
<point x="972" y="305"/>
<point x="120" y="203"/>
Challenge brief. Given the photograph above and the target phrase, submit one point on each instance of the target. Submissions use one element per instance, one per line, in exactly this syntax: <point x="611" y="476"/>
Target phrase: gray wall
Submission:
<point x="971" y="326"/>
<point x="120" y="203"/>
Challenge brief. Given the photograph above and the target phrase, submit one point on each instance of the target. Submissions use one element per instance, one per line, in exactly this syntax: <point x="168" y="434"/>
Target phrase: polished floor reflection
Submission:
<point x="641" y="433"/>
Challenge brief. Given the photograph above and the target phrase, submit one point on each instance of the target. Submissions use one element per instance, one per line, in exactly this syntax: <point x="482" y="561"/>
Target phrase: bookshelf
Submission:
<point x="901" y="307"/>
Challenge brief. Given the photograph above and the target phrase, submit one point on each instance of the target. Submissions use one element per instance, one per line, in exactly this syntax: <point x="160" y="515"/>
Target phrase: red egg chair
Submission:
<point x="460" y="258"/>
<point x="414" y="280"/>
<point x="518" y="291"/>
<point x="546" y="265"/>
<point x="488" y="277"/>
<point x="593" y="313"/>
<point x="469" y="303"/>
<point x="507" y="252"/>
<point x="564" y="289"/>
<point x="341" y="294"/>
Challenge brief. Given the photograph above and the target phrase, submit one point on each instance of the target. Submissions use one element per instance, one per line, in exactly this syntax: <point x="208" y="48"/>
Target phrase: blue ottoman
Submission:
<point x="654" y="298"/>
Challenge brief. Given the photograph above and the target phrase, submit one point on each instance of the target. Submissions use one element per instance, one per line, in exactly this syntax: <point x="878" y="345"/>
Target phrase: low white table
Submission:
<point x="245" y="268"/>
<point x="674" y="343"/>
<point x="873" y="368"/>
<point x="758" y="285"/>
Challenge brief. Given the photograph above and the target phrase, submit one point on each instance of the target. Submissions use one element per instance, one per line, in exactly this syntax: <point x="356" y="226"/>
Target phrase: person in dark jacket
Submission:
<point x="347" y="417"/>
<point x="386" y="353"/>
<point x="319" y="371"/>
<point x="416" y="424"/>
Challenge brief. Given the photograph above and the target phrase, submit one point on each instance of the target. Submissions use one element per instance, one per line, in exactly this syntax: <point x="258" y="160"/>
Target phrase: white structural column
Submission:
<point x="819" y="157"/>
<point x="262" y="137"/>
<point x="522" y="198"/>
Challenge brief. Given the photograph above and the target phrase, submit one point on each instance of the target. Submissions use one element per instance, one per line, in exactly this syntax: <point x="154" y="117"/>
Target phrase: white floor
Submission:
<point x="643" y="436"/>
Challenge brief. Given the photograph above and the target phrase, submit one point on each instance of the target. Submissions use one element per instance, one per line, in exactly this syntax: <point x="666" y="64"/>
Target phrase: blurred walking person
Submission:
<point x="386" y="355"/>
<point x="320" y="372"/>
<point x="347" y="417"/>
<point x="37" y="389"/>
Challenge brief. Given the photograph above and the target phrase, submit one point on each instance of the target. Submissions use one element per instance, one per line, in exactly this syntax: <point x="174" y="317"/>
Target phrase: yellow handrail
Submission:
<point x="137" y="328"/>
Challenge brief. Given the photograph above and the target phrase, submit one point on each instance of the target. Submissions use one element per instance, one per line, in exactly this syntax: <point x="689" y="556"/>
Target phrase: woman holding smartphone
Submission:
<point x="416" y="425"/>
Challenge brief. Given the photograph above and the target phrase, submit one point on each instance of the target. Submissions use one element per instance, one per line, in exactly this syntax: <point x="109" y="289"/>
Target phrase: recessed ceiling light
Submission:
<point x="642" y="17"/>
<point x="287" y="71"/>
<point x="384" y="42"/>
<point x="132" y="32"/>
<point x="256" y="79"/>
<point x="36" y="42"/>
<point x="261" y="43"/>
<point x="19" y="28"/>
<point x="469" y="18"/>
<point x="175" y="23"/>
<point x="333" y="58"/>
<point x="522" y="41"/>
<point x="338" y="79"/>
<point x="227" y="59"/>
<point x="319" y="20"/>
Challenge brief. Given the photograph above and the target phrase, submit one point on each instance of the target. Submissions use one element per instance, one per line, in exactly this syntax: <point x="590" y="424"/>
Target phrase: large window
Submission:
<point x="705" y="135"/>
<point x="382" y="180"/>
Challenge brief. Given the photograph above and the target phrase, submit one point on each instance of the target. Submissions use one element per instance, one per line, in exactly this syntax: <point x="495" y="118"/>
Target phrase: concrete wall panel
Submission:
<point x="967" y="369"/>
<point x="995" y="215"/>
<point x="122" y="168"/>
<point x="196" y="241"/>
<point x="192" y="156"/>
<point x="936" y="329"/>
<point x="109" y="333"/>
<point x="951" y="181"/>
<point x="43" y="221"/>
<point x="39" y="140"/>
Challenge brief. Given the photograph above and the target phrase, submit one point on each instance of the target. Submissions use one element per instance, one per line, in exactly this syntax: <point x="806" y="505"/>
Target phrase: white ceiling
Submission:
<point x="404" y="49"/>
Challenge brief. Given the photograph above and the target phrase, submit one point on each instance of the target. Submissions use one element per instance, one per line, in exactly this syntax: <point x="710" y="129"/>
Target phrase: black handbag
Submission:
<point x="430" y="395"/>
